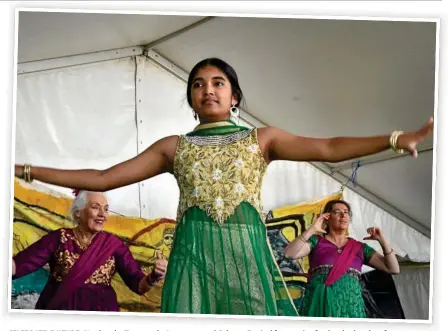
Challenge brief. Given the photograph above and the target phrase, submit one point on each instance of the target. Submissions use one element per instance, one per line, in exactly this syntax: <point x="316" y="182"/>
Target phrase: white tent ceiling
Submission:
<point x="311" y="77"/>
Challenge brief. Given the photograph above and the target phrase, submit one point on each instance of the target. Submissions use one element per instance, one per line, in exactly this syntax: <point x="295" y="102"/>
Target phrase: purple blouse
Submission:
<point x="324" y="252"/>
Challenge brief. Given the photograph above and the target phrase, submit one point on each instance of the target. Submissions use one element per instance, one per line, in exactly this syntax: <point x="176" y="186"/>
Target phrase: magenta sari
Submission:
<point x="79" y="280"/>
<point x="343" y="261"/>
<point x="95" y="256"/>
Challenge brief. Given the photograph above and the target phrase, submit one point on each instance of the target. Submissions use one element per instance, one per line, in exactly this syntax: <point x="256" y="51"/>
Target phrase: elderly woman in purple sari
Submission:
<point x="83" y="261"/>
<point x="333" y="288"/>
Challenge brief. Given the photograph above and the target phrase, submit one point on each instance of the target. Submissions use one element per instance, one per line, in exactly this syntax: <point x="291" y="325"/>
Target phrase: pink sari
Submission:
<point x="343" y="261"/>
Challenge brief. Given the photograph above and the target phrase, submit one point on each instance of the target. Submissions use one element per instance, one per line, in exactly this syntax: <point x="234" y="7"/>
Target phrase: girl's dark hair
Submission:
<point x="225" y="68"/>
<point x="329" y="206"/>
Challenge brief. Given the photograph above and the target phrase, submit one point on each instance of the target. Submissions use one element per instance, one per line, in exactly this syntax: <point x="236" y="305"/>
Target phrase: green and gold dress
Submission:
<point x="221" y="261"/>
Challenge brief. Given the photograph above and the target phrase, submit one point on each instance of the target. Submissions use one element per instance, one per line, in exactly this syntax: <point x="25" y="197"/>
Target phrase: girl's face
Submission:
<point x="211" y="94"/>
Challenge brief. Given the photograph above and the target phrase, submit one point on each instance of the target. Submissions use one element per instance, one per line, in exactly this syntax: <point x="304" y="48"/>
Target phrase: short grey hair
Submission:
<point x="79" y="203"/>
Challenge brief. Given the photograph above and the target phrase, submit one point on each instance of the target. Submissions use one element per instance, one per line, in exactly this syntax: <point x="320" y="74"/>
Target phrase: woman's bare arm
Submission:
<point x="300" y="247"/>
<point x="387" y="262"/>
<point x="281" y="145"/>
<point x="155" y="160"/>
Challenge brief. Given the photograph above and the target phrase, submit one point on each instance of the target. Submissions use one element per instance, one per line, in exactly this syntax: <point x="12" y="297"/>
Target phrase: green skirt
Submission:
<point x="224" y="268"/>
<point x="341" y="299"/>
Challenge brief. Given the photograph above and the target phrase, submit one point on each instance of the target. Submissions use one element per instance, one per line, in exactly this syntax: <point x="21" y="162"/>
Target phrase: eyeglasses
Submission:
<point x="338" y="212"/>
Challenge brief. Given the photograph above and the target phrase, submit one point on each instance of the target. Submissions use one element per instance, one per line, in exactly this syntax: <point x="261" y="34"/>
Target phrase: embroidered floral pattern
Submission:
<point x="66" y="259"/>
<point x="218" y="173"/>
<point x="64" y="262"/>
<point x="239" y="188"/>
<point x="66" y="236"/>
<point x="195" y="166"/>
<point x="103" y="275"/>
<point x="219" y="203"/>
<point x="239" y="163"/>
<point x="196" y="192"/>
<point x="253" y="148"/>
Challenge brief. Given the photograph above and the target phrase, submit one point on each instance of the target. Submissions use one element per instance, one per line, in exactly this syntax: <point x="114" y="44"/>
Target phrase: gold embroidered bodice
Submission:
<point x="65" y="260"/>
<point x="218" y="173"/>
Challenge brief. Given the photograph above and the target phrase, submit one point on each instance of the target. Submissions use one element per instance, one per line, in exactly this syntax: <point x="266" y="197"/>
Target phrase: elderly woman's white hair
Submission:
<point x="79" y="203"/>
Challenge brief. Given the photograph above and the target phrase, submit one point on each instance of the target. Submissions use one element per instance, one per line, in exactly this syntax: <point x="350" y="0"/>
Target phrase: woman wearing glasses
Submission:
<point x="333" y="288"/>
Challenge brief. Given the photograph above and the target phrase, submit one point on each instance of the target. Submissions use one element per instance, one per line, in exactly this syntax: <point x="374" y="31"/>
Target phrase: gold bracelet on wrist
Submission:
<point x="27" y="173"/>
<point x="24" y="171"/>
<point x="393" y="141"/>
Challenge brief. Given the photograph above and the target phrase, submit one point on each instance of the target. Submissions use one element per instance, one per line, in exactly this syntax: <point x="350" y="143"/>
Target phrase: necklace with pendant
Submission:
<point x="83" y="243"/>
<point x="339" y="250"/>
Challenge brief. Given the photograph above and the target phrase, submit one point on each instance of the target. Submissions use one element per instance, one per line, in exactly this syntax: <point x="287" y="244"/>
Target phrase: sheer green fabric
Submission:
<point x="224" y="268"/>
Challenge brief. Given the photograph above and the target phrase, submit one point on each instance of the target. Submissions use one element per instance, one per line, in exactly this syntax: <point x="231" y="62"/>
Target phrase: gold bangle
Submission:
<point x="393" y="141"/>
<point x="25" y="170"/>
<point x="27" y="173"/>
